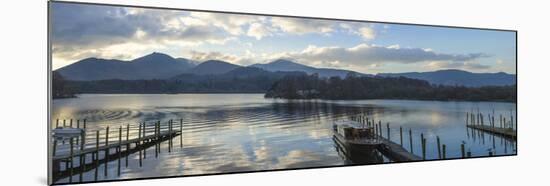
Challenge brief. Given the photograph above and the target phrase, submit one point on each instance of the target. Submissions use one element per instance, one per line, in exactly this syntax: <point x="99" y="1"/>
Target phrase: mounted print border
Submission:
<point x="139" y="92"/>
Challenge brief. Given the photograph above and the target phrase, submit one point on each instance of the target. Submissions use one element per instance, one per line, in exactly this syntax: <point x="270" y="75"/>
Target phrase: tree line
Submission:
<point x="361" y="87"/>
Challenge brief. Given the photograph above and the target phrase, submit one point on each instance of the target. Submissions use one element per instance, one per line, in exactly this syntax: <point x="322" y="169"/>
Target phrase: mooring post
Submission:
<point x="78" y="127"/>
<point x="411" y="140"/>
<point x="96" y="153"/>
<point x="82" y="156"/>
<point x="380" y="127"/>
<point x="106" y="151"/>
<point x="462" y="150"/>
<point x="71" y="123"/>
<point x="139" y="145"/>
<point x="181" y="133"/>
<point x="71" y="160"/>
<point x="169" y="136"/>
<point x="444" y="151"/>
<point x="467" y="118"/>
<point x="156" y="144"/>
<point x="127" y="141"/>
<point x="119" y="148"/>
<point x="56" y="122"/>
<point x="438" y="148"/>
<point x="401" y="135"/>
<point x="144" y="134"/>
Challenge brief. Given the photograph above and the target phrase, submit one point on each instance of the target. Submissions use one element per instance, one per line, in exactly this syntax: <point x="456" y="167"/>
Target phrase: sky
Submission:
<point x="80" y="31"/>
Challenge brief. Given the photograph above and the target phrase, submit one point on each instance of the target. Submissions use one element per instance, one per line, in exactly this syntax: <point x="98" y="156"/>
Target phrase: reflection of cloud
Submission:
<point x="299" y="158"/>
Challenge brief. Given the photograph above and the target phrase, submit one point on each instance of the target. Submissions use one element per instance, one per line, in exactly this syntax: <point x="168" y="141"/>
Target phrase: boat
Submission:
<point x="357" y="141"/>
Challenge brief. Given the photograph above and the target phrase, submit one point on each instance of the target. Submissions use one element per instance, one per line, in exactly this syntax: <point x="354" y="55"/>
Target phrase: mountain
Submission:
<point x="152" y="66"/>
<point x="288" y="66"/>
<point x="459" y="77"/>
<point x="212" y="67"/>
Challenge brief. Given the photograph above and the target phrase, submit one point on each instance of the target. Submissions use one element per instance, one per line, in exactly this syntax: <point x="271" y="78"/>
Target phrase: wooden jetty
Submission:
<point x="396" y="152"/>
<point x="78" y="158"/>
<point x="504" y="128"/>
<point x="506" y="132"/>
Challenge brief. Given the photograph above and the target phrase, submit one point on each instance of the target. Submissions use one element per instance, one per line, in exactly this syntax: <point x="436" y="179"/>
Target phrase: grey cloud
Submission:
<point x="364" y="54"/>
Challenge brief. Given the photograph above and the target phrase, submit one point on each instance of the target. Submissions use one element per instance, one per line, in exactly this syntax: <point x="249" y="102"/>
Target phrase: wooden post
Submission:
<point x="139" y="144"/>
<point x="411" y="140"/>
<point x="438" y="148"/>
<point x="128" y="144"/>
<point x="71" y="123"/>
<point x="401" y="135"/>
<point x="155" y="141"/>
<point x="380" y="127"/>
<point x="56" y="122"/>
<point x="106" y="151"/>
<point x="71" y="160"/>
<point x="467" y="118"/>
<point x="119" y="149"/>
<point x="462" y="150"/>
<point x="144" y="133"/>
<point x="77" y="126"/>
<point x="96" y="154"/>
<point x="169" y="136"/>
<point x="444" y="151"/>
<point x="181" y="133"/>
<point x="82" y="156"/>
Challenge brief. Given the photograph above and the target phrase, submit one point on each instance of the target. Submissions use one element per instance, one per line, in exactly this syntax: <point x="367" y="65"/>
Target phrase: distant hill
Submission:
<point x="288" y="66"/>
<point x="152" y="66"/>
<point x="459" y="77"/>
<point x="212" y="67"/>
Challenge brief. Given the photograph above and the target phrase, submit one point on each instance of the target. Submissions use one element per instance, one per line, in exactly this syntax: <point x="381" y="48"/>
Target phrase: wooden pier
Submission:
<point x="506" y="132"/>
<point x="79" y="158"/>
<point x="396" y="152"/>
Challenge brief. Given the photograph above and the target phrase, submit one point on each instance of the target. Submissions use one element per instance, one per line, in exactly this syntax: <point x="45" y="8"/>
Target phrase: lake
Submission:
<point x="246" y="132"/>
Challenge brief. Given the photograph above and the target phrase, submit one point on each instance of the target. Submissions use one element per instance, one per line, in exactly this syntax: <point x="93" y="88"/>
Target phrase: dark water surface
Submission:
<point x="245" y="132"/>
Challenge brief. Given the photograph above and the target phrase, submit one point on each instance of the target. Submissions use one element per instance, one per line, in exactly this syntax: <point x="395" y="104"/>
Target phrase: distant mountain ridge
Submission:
<point x="162" y="66"/>
<point x="152" y="66"/>
<point x="287" y="66"/>
<point x="459" y="77"/>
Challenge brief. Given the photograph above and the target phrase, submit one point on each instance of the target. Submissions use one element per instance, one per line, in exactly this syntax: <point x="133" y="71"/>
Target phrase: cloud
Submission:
<point x="302" y="26"/>
<point x="364" y="54"/>
<point x="361" y="29"/>
<point x="258" y="31"/>
<point x="467" y="65"/>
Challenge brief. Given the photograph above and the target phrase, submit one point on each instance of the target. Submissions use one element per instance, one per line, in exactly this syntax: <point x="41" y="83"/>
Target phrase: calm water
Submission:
<point x="245" y="132"/>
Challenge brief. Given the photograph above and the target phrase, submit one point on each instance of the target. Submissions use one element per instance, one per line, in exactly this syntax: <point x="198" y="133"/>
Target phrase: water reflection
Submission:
<point x="245" y="132"/>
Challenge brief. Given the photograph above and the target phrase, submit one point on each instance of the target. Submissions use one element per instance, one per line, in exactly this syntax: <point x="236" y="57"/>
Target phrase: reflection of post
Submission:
<point x="119" y="148"/>
<point x="388" y="128"/>
<point x="467" y="117"/>
<point x="96" y="153"/>
<point x="181" y="133"/>
<point x="401" y="135"/>
<point x="106" y="151"/>
<point x="82" y="156"/>
<point x="411" y="140"/>
<point x="462" y="150"/>
<point x="443" y="147"/>
<point x="423" y="145"/>
<point x="71" y="160"/>
<point x="439" y="147"/>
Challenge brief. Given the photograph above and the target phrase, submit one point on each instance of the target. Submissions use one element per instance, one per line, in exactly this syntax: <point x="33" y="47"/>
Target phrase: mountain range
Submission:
<point x="162" y="66"/>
